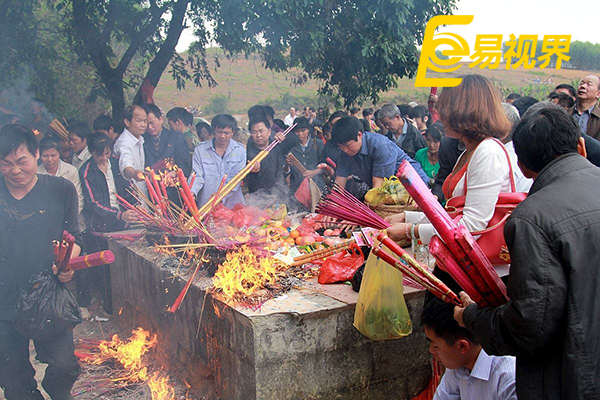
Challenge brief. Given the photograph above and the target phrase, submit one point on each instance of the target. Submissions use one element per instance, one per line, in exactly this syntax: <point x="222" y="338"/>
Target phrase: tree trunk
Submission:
<point x="116" y="93"/>
<point x="167" y="49"/>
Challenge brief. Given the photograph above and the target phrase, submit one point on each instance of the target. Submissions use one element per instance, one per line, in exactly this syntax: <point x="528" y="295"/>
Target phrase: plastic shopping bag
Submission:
<point x="381" y="312"/>
<point x="46" y="308"/>
<point x="341" y="266"/>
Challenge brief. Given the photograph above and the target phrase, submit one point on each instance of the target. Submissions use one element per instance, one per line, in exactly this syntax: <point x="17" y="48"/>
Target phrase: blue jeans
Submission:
<point x="17" y="373"/>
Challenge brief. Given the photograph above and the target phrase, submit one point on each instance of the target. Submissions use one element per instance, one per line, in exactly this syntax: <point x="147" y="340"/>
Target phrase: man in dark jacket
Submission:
<point x="161" y="143"/>
<point x="400" y="130"/>
<point x="551" y="321"/>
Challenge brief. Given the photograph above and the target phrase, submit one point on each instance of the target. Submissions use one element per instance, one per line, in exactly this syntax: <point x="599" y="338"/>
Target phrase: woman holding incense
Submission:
<point x="472" y="113"/>
<point x="216" y="158"/>
<point x="101" y="179"/>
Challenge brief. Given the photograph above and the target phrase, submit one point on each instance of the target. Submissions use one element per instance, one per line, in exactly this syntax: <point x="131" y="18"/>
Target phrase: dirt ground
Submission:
<point x="93" y="383"/>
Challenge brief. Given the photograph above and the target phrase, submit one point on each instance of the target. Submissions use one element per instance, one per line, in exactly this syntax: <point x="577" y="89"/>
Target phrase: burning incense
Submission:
<point x="60" y="129"/>
<point x="237" y="179"/>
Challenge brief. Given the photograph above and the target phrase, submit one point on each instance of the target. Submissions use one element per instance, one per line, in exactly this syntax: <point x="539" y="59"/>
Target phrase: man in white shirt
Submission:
<point x="289" y="119"/>
<point x="470" y="372"/>
<point x="78" y="133"/>
<point x="129" y="147"/>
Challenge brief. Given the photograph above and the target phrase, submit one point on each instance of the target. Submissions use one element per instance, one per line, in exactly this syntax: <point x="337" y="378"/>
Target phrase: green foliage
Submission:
<point x="287" y="100"/>
<point x="539" y="92"/>
<point x="38" y="61"/>
<point x="584" y="55"/>
<point x="356" y="48"/>
<point x="441" y="56"/>
<point x="218" y="105"/>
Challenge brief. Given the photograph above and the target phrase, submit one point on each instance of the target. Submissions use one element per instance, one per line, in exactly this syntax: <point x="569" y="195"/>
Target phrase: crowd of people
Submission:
<point x="468" y="142"/>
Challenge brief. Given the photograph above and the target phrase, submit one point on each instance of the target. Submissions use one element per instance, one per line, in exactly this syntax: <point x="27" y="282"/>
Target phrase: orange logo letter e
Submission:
<point x="431" y="40"/>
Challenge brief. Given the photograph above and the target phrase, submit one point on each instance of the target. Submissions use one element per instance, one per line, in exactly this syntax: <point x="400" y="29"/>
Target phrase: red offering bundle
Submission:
<point x="456" y="251"/>
<point x="92" y="260"/>
<point x="63" y="250"/>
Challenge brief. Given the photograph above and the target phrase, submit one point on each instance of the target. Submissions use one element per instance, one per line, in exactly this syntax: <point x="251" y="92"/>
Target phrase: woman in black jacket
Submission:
<point x="100" y="180"/>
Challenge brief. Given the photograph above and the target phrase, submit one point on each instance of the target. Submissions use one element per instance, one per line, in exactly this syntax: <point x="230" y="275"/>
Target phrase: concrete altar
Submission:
<point x="299" y="346"/>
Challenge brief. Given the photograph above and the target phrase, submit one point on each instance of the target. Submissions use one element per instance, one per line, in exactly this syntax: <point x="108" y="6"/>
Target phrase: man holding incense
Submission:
<point x="268" y="174"/>
<point x="218" y="157"/>
<point x="551" y="321"/>
<point x="34" y="211"/>
<point x="370" y="156"/>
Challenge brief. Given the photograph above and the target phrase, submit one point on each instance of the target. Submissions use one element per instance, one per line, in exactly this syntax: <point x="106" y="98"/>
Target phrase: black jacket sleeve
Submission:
<point x="71" y="222"/>
<point x="182" y="157"/>
<point x="527" y="324"/>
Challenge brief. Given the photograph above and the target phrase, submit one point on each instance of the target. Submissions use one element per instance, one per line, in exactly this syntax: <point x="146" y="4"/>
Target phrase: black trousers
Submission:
<point x="17" y="373"/>
<point x="94" y="281"/>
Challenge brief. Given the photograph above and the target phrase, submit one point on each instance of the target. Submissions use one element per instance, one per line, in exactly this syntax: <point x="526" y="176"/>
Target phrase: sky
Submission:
<point x="578" y="18"/>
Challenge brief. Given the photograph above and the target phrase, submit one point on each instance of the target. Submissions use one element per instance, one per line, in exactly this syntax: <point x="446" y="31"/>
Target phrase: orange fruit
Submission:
<point x="294" y="234"/>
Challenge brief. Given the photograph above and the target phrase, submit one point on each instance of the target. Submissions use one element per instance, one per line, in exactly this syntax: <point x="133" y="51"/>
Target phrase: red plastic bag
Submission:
<point x="342" y="266"/>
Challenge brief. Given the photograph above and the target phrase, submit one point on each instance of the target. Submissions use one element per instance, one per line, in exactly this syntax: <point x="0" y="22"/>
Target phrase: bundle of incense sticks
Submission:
<point x="60" y="129"/>
<point x="92" y="260"/>
<point x="63" y="250"/>
<point x="415" y="271"/>
<point x="321" y="254"/>
<point x="237" y="179"/>
<point x="340" y="204"/>
<point x="456" y="250"/>
<point x="296" y="164"/>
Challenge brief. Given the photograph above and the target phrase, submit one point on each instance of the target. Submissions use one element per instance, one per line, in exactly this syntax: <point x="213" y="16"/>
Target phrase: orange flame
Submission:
<point x="128" y="354"/>
<point x="243" y="273"/>
<point x="160" y="388"/>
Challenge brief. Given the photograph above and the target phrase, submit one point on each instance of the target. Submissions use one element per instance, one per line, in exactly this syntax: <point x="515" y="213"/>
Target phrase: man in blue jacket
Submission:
<point x="370" y="156"/>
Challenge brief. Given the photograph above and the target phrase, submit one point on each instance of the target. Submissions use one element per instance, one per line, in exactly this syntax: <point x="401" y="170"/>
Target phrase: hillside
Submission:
<point x="243" y="82"/>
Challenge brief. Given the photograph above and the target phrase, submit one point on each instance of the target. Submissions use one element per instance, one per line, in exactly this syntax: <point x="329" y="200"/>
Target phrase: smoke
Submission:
<point x="19" y="100"/>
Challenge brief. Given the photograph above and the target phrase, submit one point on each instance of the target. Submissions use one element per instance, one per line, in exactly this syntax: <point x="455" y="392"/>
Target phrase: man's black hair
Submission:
<point x="570" y="88"/>
<point x="270" y="111"/>
<point x="513" y="96"/>
<point x="564" y="100"/>
<point x="181" y="114"/>
<point x="418" y="112"/>
<point x="98" y="142"/>
<point x="79" y="128"/>
<point x="354" y="110"/>
<point x="312" y="109"/>
<point x="280" y="123"/>
<point x="257" y="120"/>
<point x="523" y="103"/>
<point x="544" y="134"/>
<point x="128" y="114"/>
<point x="439" y="317"/>
<point x="153" y="109"/>
<point x="14" y="135"/>
<point x="345" y="130"/>
<point x="49" y="142"/>
<point x="103" y="123"/>
<point x="337" y="114"/>
<point x="404" y="109"/>
<point x="435" y="131"/>
<point x="257" y="111"/>
<point x="367" y="112"/>
<point x="301" y="123"/>
<point x="221" y="121"/>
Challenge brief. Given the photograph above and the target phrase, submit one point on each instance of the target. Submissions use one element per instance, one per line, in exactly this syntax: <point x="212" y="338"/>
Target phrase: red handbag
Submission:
<point x="491" y="239"/>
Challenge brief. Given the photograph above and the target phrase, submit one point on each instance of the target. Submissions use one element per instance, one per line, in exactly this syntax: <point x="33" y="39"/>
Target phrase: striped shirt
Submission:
<point x="492" y="378"/>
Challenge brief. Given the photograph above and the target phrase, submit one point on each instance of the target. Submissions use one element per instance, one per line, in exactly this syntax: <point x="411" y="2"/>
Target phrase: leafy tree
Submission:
<point x="357" y="49"/>
<point x="37" y="61"/>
